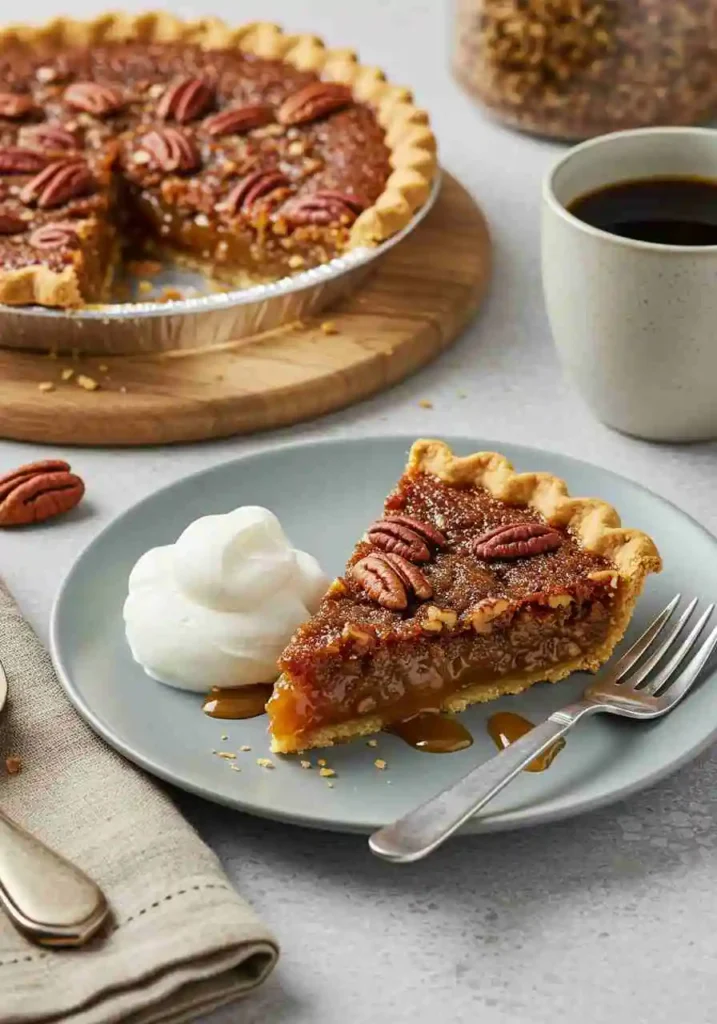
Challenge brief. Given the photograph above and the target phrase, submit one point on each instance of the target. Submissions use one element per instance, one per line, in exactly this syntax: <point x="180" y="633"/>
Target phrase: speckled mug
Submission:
<point x="635" y="323"/>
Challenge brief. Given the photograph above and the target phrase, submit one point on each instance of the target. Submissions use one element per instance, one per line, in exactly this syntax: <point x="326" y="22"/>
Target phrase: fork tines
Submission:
<point x="640" y="668"/>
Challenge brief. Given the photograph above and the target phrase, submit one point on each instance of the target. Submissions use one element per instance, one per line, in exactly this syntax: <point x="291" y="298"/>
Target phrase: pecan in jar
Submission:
<point x="576" y="68"/>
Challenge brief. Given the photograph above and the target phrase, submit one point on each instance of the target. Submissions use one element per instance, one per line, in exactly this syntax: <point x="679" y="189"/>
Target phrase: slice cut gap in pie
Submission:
<point x="476" y="582"/>
<point x="246" y="153"/>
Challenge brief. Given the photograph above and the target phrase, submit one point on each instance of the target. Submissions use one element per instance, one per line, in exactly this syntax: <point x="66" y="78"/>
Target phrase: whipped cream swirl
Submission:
<point x="218" y="607"/>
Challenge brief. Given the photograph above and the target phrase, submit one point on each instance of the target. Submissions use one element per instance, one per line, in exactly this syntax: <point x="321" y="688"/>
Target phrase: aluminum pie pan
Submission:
<point x="132" y="328"/>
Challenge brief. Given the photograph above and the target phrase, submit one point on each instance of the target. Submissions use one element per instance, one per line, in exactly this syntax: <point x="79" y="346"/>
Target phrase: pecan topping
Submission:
<point x="516" y="540"/>
<point x="60" y="181"/>
<point x="254" y="186"/>
<point x="362" y="640"/>
<point x="429" y="533"/>
<point x="10" y="224"/>
<point x="171" y="150"/>
<point x="405" y="536"/>
<point x="409" y="574"/>
<point x="93" y="98"/>
<point x="239" y="119"/>
<point x="54" y="235"/>
<point x="51" y="136"/>
<point x="313" y="101"/>
<point x="185" y="100"/>
<point x="393" y="536"/>
<point x="15" y="160"/>
<point x="324" y="207"/>
<point x="37" y="491"/>
<point x="15" y="105"/>
<point x="380" y="581"/>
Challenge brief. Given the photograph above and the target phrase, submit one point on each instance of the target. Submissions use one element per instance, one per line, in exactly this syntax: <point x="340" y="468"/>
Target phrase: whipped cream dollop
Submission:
<point x="218" y="607"/>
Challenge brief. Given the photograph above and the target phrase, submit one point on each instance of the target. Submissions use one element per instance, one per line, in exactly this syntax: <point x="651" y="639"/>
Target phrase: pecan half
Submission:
<point x="380" y="581"/>
<point x="324" y="207"/>
<point x="360" y="640"/>
<point x="313" y="101"/>
<point x="48" y="137"/>
<point x="429" y="532"/>
<point x="394" y="536"/>
<point x="15" y="105"/>
<point x="252" y="187"/>
<point x="185" y="100"/>
<point x="94" y="98"/>
<point x="35" y="492"/>
<point x="16" y="160"/>
<point x="60" y="181"/>
<point x="170" y="149"/>
<point x="409" y="574"/>
<point x="516" y="540"/>
<point x="54" y="235"/>
<point x="239" y="119"/>
<point x="10" y="224"/>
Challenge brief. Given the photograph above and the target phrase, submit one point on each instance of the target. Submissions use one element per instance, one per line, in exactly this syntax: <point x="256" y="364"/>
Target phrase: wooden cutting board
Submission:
<point x="403" y="316"/>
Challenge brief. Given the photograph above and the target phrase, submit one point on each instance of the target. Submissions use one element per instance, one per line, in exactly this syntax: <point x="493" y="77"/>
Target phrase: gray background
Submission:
<point x="610" y="916"/>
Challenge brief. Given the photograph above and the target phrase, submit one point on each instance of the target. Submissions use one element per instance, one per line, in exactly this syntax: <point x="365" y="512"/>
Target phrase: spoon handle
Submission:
<point x="48" y="899"/>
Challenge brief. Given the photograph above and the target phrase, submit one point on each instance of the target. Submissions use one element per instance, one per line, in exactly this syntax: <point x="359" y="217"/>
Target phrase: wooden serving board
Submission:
<point x="410" y="309"/>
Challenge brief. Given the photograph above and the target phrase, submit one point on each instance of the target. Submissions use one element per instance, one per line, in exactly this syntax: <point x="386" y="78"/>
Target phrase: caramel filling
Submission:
<point x="253" y="255"/>
<point x="400" y="680"/>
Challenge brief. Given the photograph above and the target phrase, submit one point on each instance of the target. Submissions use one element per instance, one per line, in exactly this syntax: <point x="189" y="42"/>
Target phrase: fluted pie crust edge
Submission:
<point x="593" y="522"/>
<point x="408" y="134"/>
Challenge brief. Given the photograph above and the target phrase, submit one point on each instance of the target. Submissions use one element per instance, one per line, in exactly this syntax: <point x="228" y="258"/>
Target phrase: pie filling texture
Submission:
<point x="476" y="582"/>
<point x="244" y="154"/>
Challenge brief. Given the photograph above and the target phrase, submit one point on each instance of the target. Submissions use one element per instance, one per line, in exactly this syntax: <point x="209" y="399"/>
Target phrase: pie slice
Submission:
<point x="477" y="581"/>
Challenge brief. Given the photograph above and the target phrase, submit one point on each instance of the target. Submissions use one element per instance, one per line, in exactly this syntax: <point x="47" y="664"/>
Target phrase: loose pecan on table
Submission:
<point x="325" y="206"/>
<point x="35" y="492"/>
<point x="252" y="187"/>
<point x="47" y="137"/>
<point x="17" y="160"/>
<point x="238" y="119"/>
<point x="171" y="150"/>
<point x="516" y="540"/>
<point x="185" y="100"/>
<point x="313" y="101"/>
<point x="15" y="105"/>
<point x="57" y="183"/>
<point x="94" y="98"/>
<point x="54" y="235"/>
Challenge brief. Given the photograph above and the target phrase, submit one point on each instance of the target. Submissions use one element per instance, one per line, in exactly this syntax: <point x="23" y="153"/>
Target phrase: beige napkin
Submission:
<point x="182" y="941"/>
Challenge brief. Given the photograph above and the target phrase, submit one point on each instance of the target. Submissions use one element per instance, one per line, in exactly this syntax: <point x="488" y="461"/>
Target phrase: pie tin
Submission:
<point x="132" y="328"/>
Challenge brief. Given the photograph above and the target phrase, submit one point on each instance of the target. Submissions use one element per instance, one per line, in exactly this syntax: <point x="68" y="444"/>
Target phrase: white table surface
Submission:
<point x="607" y="917"/>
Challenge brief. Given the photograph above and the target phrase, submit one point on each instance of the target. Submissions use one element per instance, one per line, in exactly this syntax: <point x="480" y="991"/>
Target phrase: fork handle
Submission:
<point x="422" y="830"/>
<point x="46" y="897"/>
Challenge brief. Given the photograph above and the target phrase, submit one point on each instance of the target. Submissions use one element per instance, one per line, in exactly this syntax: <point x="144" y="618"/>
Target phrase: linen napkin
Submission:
<point x="181" y="941"/>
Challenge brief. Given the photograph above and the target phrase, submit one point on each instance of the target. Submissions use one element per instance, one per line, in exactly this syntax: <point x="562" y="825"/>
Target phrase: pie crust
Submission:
<point x="605" y="573"/>
<point x="407" y="133"/>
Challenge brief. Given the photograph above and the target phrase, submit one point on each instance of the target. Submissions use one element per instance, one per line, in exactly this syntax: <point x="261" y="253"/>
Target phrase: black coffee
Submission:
<point x="673" y="211"/>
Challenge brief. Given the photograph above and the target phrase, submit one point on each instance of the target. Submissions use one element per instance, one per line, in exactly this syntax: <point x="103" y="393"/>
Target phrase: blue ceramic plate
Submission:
<point x="324" y="494"/>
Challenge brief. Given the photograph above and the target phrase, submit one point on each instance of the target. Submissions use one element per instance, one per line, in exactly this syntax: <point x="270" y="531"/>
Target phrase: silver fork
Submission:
<point x="636" y="686"/>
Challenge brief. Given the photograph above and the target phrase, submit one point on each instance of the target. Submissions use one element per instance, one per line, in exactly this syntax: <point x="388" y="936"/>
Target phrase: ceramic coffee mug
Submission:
<point x="635" y="323"/>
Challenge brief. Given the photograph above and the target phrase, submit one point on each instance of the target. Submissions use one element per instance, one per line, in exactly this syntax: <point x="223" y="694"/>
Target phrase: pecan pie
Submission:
<point x="247" y="153"/>
<point x="477" y="581"/>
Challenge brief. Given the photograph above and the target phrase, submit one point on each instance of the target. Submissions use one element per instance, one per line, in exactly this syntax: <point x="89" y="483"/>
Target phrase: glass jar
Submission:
<point x="576" y="68"/>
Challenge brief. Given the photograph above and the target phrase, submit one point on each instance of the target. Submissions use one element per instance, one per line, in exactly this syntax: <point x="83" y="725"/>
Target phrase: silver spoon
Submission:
<point x="50" y="901"/>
